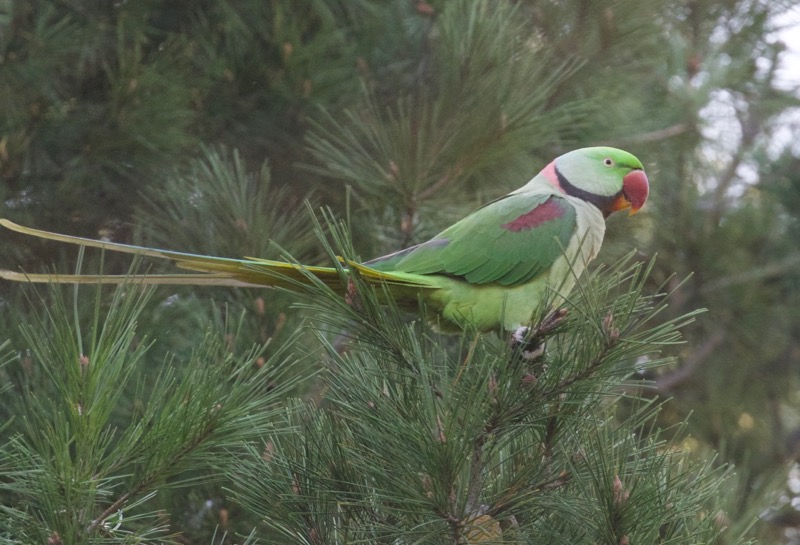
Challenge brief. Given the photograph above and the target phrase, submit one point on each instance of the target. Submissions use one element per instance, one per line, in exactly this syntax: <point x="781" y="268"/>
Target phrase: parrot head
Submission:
<point x="609" y="178"/>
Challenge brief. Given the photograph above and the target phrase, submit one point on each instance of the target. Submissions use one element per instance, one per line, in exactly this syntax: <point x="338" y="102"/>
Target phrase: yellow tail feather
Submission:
<point x="209" y="270"/>
<point x="148" y="279"/>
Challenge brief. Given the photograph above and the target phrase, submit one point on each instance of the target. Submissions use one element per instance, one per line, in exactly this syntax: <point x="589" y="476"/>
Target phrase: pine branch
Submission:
<point x="148" y="481"/>
<point x="186" y="423"/>
<point x="657" y="135"/>
<point x="668" y="382"/>
<point x="426" y="439"/>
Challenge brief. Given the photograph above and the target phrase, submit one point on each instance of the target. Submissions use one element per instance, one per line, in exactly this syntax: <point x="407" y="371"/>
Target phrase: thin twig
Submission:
<point x="144" y="483"/>
<point x="476" y="473"/>
<point x="667" y="382"/>
<point x="770" y="270"/>
<point x="654" y="136"/>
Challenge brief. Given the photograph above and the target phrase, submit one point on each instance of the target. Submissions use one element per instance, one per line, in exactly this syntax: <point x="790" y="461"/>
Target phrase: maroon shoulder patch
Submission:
<point x="549" y="210"/>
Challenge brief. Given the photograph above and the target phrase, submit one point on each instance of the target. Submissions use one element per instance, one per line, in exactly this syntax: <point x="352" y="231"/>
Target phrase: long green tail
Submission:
<point x="209" y="270"/>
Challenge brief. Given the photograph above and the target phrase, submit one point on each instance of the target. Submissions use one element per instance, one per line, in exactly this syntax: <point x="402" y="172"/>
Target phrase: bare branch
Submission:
<point x="767" y="271"/>
<point x="653" y="136"/>
<point x="667" y="382"/>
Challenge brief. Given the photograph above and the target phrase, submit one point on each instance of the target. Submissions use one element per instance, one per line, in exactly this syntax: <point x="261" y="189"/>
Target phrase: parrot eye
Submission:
<point x="608" y="161"/>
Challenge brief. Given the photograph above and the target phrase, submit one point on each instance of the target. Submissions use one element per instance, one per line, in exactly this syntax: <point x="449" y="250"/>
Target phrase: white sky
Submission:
<point x="788" y="75"/>
<point x="721" y="128"/>
<point x="790" y="35"/>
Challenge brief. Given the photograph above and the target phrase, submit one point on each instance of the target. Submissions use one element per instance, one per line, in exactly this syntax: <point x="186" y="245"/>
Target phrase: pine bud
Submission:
<point x="83" y="361"/>
<point x="224" y="516"/>
<point x="440" y="430"/>
<point x="493" y="387"/>
<point x="424" y="8"/>
<point x="394" y="170"/>
<point x="721" y="520"/>
<point x="482" y="529"/>
<point x="269" y="452"/>
<point x="427" y="486"/>
<point x="608" y="327"/>
<point x="620" y="494"/>
<point x="351" y="296"/>
<point x="279" y="323"/>
<point x="27" y="362"/>
<point x="296" y="486"/>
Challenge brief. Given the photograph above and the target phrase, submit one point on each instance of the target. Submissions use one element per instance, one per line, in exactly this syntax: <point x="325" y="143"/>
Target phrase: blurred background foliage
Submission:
<point x="204" y="126"/>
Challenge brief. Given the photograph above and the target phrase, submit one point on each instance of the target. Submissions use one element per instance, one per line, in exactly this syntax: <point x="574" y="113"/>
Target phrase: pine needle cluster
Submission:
<point x="411" y="437"/>
<point x="90" y="438"/>
<point x="152" y="122"/>
<point x="422" y="439"/>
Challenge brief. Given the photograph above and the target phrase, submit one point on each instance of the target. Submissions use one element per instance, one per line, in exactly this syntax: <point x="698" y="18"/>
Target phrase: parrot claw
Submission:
<point x="530" y="340"/>
<point x="531" y="348"/>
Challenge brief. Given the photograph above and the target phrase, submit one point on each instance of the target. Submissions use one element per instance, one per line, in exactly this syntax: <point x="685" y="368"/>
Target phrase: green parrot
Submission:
<point x="490" y="271"/>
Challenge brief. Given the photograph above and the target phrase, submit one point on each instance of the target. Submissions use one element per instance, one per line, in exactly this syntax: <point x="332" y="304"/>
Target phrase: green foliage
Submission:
<point x="405" y="153"/>
<point x="238" y="213"/>
<point x="92" y="439"/>
<point x="153" y="122"/>
<point x="221" y="208"/>
<point x="415" y="442"/>
<point x="483" y="63"/>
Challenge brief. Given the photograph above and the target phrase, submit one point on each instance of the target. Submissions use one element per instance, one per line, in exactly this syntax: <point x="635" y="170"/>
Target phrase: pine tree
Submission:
<point x="91" y="437"/>
<point x="421" y="440"/>
<point x="205" y="126"/>
<point x="415" y="437"/>
<point x="717" y="217"/>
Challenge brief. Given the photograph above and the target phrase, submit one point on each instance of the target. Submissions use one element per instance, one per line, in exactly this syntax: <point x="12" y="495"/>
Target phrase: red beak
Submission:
<point x="635" y="189"/>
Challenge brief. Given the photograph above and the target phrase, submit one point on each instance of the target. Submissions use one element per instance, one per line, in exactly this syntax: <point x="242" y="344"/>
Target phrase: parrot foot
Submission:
<point x="529" y="340"/>
<point x="531" y="348"/>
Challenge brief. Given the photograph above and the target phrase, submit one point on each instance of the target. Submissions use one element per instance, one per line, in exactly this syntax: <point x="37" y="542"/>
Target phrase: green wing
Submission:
<point x="509" y="241"/>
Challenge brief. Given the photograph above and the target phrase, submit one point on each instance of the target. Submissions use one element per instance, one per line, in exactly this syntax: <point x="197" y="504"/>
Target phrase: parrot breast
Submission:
<point x="492" y="307"/>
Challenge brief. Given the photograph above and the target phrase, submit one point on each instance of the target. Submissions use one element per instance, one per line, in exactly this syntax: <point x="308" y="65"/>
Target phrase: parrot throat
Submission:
<point x="603" y="202"/>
